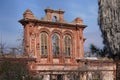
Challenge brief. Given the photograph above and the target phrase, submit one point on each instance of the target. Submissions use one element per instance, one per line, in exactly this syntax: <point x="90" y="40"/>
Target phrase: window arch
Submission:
<point x="55" y="44"/>
<point x="67" y="45"/>
<point x="44" y="43"/>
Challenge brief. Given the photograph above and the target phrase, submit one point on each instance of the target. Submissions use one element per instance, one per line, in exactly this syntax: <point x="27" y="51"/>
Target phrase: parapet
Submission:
<point x="54" y="15"/>
<point x="78" y="20"/>
<point x="28" y="14"/>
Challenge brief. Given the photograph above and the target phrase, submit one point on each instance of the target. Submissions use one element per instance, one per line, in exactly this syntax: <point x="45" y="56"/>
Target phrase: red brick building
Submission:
<point x="54" y="42"/>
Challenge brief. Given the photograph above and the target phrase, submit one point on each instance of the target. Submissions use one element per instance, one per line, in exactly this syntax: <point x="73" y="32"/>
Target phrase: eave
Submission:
<point x="36" y="21"/>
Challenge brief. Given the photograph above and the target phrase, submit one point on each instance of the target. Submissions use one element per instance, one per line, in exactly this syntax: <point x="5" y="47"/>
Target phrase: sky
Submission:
<point x="12" y="10"/>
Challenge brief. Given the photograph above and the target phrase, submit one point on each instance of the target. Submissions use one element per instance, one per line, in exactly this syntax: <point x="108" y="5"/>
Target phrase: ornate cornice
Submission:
<point x="40" y="22"/>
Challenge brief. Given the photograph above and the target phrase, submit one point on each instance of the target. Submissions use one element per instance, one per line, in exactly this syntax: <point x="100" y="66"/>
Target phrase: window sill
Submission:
<point x="67" y="56"/>
<point x="56" y="56"/>
<point x="44" y="56"/>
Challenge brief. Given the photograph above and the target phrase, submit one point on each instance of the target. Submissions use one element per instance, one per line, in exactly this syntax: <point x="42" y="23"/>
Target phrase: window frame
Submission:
<point x="57" y="45"/>
<point x="67" y="45"/>
<point x="44" y="45"/>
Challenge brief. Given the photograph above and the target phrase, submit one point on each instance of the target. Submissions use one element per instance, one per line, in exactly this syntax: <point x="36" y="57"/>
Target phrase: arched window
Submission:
<point x="54" y="19"/>
<point x="55" y="44"/>
<point x="67" y="45"/>
<point x="44" y="43"/>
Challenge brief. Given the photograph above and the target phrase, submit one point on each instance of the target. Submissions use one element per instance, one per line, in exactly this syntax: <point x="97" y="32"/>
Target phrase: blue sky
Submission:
<point x="11" y="11"/>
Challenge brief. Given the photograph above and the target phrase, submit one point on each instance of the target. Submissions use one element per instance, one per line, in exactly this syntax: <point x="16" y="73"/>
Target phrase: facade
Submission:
<point x="57" y="46"/>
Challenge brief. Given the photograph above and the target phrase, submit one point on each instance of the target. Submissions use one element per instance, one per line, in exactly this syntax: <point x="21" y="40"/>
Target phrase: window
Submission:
<point x="44" y="43"/>
<point x="55" y="44"/>
<point x="67" y="45"/>
<point x="54" y="19"/>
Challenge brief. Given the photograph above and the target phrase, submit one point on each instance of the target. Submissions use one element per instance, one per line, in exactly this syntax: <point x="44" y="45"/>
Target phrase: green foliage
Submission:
<point x="99" y="52"/>
<point x="94" y="49"/>
<point x="14" y="71"/>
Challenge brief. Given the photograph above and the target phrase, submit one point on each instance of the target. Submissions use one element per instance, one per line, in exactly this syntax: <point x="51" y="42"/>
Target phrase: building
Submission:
<point x="57" y="46"/>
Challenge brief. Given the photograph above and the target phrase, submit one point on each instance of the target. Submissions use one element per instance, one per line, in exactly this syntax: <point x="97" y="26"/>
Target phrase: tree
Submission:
<point x="109" y="22"/>
<point x="100" y="52"/>
<point x="14" y="71"/>
<point x="2" y="48"/>
<point x="94" y="49"/>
